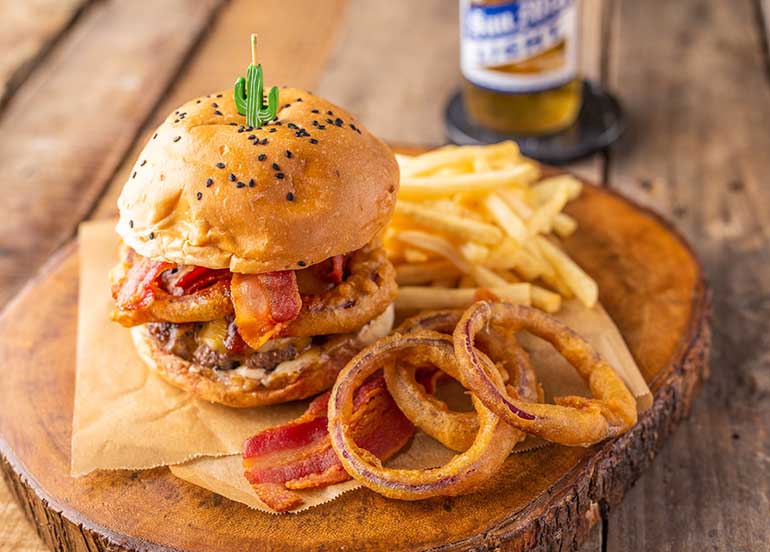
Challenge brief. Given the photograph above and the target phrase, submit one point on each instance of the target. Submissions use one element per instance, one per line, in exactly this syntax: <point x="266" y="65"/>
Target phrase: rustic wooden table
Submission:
<point x="83" y="82"/>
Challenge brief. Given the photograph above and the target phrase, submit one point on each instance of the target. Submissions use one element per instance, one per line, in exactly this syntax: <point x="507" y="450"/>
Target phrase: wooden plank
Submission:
<point x="27" y="30"/>
<point x="65" y="132"/>
<point x="395" y="68"/>
<point x="699" y="102"/>
<point x="295" y="39"/>
<point x="16" y="533"/>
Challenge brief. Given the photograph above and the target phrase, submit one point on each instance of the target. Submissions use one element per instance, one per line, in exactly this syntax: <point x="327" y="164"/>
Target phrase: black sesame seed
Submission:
<point x="279" y="123"/>
<point x="143" y="163"/>
<point x="217" y="112"/>
<point x="338" y="122"/>
<point x="288" y="154"/>
<point x="154" y="136"/>
<point x="290" y="196"/>
<point x="219" y="95"/>
<point x="315" y="123"/>
<point x="314" y="111"/>
<point x="279" y="176"/>
<point x="176" y="120"/>
<point x="251" y="183"/>
<point x="133" y="175"/>
<point x="272" y="130"/>
<point x="233" y="124"/>
<point x="249" y="128"/>
<point x="130" y="223"/>
<point x="330" y="121"/>
<point x="321" y="127"/>
<point x="313" y="141"/>
<point x="250" y="137"/>
<point x="214" y="104"/>
<point x="292" y="126"/>
<point x="177" y="138"/>
<point x="299" y="99"/>
<point x="240" y="130"/>
<point x="264" y="141"/>
<point x="197" y="101"/>
<point x="276" y="167"/>
<point x="262" y="157"/>
<point x="220" y="165"/>
<point x="330" y="112"/>
<point x="199" y="195"/>
<point x="255" y="143"/>
<point x="232" y="178"/>
<point x="301" y="263"/>
<point x="209" y="182"/>
<point x="240" y="185"/>
<point x="152" y="235"/>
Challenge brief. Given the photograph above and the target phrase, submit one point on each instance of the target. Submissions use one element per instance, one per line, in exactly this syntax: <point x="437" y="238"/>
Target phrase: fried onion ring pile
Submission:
<point x="492" y="445"/>
<point x="455" y="430"/>
<point x="573" y="421"/>
<point x="482" y="353"/>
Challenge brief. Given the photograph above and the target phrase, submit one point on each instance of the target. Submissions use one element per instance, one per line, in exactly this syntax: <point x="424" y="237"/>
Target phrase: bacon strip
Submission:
<point x="298" y="455"/>
<point x="338" y="265"/>
<point x="195" y="278"/>
<point x="264" y="303"/>
<point x="137" y="289"/>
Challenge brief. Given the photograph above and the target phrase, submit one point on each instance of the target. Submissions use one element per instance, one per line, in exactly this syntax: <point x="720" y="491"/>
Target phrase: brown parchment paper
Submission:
<point x="127" y="418"/>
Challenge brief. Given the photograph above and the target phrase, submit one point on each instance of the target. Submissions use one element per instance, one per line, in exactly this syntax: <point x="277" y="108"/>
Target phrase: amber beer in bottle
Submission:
<point x="519" y="64"/>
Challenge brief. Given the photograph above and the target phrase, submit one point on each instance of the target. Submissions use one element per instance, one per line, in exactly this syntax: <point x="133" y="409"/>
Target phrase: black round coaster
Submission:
<point x="599" y="123"/>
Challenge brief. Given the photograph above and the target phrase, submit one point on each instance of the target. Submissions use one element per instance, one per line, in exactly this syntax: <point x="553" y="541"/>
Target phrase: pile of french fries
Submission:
<point x="471" y="221"/>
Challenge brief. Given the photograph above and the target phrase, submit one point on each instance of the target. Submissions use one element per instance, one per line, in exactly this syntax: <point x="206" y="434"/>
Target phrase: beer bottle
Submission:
<point x="519" y="63"/>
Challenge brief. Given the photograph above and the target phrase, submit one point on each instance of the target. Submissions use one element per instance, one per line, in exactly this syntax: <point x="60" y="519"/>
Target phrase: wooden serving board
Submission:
<point x="549" y="498"/>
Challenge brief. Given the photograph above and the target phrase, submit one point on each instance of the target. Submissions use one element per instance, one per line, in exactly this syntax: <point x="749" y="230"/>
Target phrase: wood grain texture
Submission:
<point x="547" y="499"/>
<point x="698" y="151"/>
<point x="295" y="39"/>
<point x="65" y="132"/>
<point x="27" y="30"/>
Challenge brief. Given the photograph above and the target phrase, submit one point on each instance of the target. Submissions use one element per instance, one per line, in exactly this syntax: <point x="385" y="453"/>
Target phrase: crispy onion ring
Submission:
<point x="574" y="421"/>
<point x="207" y="304"/>
<point x="366" y="292"/>
<point x="455" y="430"/>
<point x="463" y="473"/>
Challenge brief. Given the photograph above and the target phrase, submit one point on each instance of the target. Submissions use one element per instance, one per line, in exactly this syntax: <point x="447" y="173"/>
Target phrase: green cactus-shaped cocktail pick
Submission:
<point x="248" y="93"/>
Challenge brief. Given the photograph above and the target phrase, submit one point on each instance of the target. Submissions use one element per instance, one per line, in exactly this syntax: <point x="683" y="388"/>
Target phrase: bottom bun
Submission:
<point x="310" y="373"/>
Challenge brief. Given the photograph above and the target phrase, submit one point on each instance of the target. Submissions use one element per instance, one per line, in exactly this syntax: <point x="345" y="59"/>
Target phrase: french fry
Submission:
<point x="582" y="285"/>
<point x="474" y="252"/>
<point x="429" y="162"/>
<point x="416" y="274"/>
<point x="412" y="255"/>
<point x="544" y="299"/>
<point x="541" y="220"/>
<point x="516" y="203"/>
<point x="429" y="298"/>
<point x="476" y="218"/>
<point x="416" y="187"/>
<point x="564" y="225"/>
<point x="486" y="278"/>
<point x="544" y="189"/>
<point x="436" y="244"/>
<point x="500" y="212"/>
<point x="463" y="228"/>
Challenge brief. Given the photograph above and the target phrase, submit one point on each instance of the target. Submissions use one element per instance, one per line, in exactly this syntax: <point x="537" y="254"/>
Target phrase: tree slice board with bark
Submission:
<point x="650" y="282"/>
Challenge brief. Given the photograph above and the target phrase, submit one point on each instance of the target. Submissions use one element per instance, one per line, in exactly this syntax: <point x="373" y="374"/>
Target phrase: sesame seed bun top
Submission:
<point x="209" y="191"/>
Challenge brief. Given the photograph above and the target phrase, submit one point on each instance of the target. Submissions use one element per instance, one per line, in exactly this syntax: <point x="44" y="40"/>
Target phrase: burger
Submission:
<point x="251" y="265"/>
